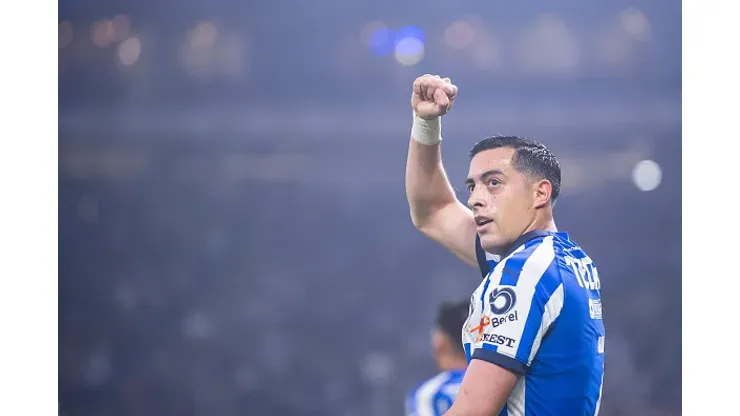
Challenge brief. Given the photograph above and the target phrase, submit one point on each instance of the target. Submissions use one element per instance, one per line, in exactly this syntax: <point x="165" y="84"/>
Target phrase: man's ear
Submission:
<point x="542" y="193"/>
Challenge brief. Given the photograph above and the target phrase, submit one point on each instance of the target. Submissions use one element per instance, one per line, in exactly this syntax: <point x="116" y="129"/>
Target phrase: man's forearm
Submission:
<point x="427" y="186"/>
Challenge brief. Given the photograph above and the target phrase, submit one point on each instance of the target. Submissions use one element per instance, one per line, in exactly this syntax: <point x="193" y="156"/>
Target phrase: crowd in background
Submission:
<point x="234" y="237"/>
<point x="190" y="286"/>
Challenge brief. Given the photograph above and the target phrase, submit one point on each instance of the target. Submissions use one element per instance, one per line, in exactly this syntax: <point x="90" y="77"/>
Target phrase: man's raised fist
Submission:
<point x="433" y="96"/>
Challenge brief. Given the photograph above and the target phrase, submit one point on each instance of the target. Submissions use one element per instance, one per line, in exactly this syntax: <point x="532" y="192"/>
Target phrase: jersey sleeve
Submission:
<point x="486" y="261"/>
<point x="433" y="397"/>
<point x="521" y="308"/>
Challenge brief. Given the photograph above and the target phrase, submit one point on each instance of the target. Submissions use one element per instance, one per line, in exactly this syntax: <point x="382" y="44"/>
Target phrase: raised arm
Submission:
<point x="435" y="210"/>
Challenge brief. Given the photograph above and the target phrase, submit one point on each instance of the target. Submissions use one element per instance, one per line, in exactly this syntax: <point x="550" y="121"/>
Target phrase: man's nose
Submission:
<point x="476" y="200"/>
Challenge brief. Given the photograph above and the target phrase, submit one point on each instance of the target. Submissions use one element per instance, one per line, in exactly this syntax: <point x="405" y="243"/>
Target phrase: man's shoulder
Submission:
<point x="423" y="394"/>
<point x="544" y="249"/>
<point x="430" y="386"/>
<point x="444" y="386"/>
<point x="532" y="260"/>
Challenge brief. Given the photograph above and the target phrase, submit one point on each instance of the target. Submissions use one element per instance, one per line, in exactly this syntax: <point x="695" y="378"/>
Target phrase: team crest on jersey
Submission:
<point x="502" y="300"/>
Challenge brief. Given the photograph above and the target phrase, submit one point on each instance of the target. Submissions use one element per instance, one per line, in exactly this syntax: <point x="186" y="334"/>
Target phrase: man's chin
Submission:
<point x="490" y="243"/>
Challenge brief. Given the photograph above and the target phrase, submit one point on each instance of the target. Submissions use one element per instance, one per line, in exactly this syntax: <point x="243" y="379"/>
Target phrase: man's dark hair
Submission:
<point x="531" y="158"/>
<point x="451" y="317"/>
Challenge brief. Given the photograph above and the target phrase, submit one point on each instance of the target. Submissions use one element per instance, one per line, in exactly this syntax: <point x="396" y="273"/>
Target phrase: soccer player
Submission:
<point x="534" y="336"/>
<point x="435" y="396"/>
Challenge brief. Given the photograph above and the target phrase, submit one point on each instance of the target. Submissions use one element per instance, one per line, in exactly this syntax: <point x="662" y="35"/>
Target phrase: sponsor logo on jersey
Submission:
<point x="502" y="300"/>
<point x="496" y="321"/>
<point x="499" y="339"/>
<point x="594" y="308"/>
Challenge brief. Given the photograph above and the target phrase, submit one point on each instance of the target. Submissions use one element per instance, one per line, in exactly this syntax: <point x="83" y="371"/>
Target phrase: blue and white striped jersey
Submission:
<point x="434" y="396"/>
<point x="537" y="312"/>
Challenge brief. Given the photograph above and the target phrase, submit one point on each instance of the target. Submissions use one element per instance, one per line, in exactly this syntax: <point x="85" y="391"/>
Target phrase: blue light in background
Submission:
<point x="409" y="47"/>
<point x="410" y="32"/>
<point x="409" y="41"/>
<point x="382" y="41"/>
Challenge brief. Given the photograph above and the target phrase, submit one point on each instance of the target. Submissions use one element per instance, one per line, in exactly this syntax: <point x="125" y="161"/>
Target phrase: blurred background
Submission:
<point x="234" y="237"/>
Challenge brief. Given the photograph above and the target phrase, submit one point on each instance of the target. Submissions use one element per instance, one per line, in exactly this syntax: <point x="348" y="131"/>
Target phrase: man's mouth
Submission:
<point x="480" y="220"/>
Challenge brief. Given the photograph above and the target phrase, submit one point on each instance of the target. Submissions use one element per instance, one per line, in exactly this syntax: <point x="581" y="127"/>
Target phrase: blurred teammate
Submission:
<point x="434" y="396"/>
<point x="535" y="336"/>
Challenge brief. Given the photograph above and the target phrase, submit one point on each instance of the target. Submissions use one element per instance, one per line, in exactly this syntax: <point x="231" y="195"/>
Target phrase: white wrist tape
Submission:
<point x="427" y="132"/>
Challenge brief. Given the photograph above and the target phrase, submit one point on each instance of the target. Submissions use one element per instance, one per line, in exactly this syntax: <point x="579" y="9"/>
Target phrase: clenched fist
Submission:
<point x="432" y="96"/>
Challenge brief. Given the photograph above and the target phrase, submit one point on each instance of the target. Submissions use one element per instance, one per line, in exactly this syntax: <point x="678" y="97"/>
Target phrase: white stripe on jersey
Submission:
<point x="496" y="273"/>
<point x="515" y="403"/>
<point x="451" y="389"/>
<point x="532" y="271"/>
<point x="552" y="310"/>
<point x="425" y="395"/>
<point x="518" y="249"/>
<point x="493" y="257"/>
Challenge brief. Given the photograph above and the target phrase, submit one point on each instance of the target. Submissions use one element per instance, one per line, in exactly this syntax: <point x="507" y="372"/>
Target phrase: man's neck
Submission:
<point x="546" y="223"/>
<point x="449" y="363"/>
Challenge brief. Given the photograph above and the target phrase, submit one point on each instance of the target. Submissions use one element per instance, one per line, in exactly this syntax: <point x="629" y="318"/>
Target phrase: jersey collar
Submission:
<point x="531" y="236"/>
